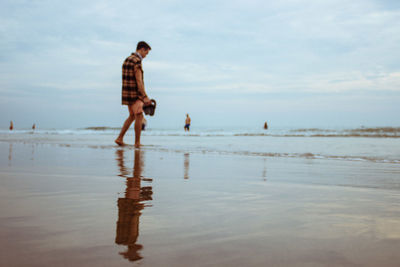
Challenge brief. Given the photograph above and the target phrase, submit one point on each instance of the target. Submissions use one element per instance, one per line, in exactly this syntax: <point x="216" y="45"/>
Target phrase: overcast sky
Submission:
<point x="300" y="63"/>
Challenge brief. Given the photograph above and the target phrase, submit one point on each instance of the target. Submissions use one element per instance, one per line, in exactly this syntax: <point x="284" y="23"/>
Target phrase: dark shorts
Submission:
<point x="187" y="126"/>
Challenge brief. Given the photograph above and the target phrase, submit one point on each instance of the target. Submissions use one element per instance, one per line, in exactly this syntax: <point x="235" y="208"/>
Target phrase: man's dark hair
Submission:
<point x="143" y="44"/>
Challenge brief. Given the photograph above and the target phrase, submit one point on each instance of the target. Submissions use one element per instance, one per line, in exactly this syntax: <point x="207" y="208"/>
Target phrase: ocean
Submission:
<point x="381" y="144"/>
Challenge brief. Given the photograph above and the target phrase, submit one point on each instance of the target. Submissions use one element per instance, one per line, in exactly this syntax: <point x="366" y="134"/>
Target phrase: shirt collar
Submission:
<point x="139" y="55"/>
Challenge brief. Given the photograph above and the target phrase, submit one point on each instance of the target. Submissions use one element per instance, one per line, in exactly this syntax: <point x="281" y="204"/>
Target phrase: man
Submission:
<point x="187" y="123"/>
<point x="133" y="92"/>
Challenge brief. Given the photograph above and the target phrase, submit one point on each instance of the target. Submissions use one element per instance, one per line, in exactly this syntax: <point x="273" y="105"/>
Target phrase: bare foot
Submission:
<point x="119" y="142"/>
<point x="138" y="145"/>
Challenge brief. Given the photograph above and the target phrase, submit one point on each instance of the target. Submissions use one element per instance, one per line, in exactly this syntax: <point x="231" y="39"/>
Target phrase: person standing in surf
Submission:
<point x="133" y="92"/>
<point x="187" y="123"/>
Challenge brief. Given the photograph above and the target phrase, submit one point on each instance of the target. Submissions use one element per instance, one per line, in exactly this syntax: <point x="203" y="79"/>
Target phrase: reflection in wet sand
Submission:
<point x="10" y="154"/>
<point x="130" y="206"/>
<point x="33" y="152"/>
<point x="264" y="173"/>
<point x="186" y="166"/>
<point x="121" y="163"/>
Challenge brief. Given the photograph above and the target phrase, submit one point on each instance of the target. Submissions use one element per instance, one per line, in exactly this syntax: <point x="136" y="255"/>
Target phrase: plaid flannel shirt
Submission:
<point x="132" y="80"/>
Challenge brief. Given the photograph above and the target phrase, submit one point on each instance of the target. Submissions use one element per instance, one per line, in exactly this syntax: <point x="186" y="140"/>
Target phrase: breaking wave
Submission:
<point x="378" y="132"/>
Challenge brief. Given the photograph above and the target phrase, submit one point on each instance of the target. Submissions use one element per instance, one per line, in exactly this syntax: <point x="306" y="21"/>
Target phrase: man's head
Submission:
<point x="143" y="48"/>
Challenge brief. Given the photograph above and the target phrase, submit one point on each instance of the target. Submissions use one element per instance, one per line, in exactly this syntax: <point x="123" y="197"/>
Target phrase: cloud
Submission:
<point x="241" y="49"/>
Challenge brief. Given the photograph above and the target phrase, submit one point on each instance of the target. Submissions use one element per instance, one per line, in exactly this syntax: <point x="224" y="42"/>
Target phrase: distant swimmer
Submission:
<point x="265" y="125"/>
<point x="187" y="123"/>
<point x="11" y="126"/>
<point x="144" y="124"/>
<point x="34" y="126"/>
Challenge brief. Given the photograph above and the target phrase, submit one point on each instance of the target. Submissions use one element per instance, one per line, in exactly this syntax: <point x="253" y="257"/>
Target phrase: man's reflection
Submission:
<point x="130" y="206"/>
<point x="186" y="166"/>
<point x="121" y="163"/>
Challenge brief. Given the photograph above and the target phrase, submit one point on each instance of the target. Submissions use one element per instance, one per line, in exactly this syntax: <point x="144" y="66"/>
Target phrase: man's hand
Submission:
<point x="146" y="101"/>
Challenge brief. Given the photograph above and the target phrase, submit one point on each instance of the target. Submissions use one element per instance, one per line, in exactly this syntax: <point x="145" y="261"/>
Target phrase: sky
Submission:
<point x="293" y="63"/>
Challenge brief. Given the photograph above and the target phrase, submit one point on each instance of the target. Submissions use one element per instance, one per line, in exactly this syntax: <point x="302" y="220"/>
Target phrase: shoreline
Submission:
<point x="108" y="143"/>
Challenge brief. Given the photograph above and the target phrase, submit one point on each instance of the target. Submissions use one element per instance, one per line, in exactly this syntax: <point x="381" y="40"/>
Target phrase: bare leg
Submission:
<point x="138" y="128"/>
<point x="120" y="139"/>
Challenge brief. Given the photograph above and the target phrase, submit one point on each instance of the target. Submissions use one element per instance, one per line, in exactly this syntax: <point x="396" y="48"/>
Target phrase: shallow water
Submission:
<point x="333" y="144"/>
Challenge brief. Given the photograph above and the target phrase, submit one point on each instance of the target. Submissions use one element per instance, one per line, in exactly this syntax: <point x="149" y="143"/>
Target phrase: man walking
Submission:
<point x="133" y="92"/>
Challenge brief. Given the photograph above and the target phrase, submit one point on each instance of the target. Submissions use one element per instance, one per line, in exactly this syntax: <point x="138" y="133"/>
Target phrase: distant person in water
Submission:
<point x="187" y="123"/>
<point x="144" y="123"/>
<point x="11" y="126"/>
<point x="34" y="126"/>
<point x="133" y="92"/>
<point x="265" y="125"/>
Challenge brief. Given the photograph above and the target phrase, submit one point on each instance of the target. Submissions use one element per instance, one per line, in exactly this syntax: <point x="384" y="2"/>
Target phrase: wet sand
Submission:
<point x="79" y="206"/>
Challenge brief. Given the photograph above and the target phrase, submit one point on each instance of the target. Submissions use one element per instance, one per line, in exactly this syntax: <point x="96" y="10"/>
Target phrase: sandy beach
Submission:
<point x="87" y="206"/>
